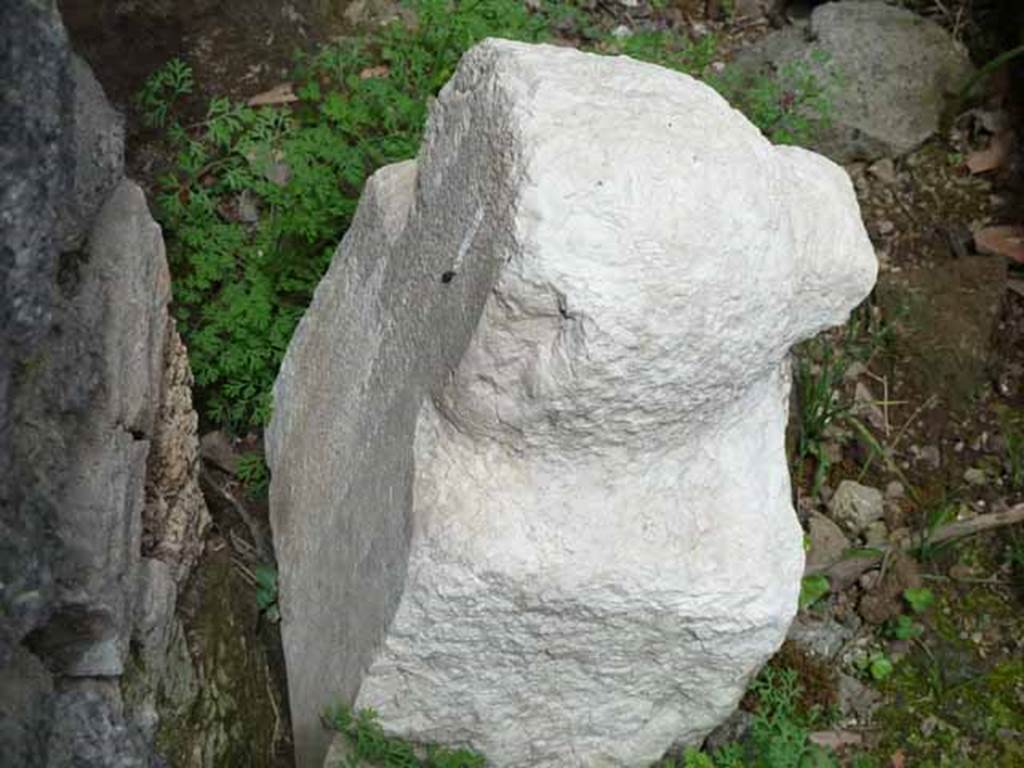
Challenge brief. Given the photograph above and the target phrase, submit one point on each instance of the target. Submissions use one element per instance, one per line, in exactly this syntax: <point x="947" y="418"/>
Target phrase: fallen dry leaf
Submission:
<point x="279" y="94"/>
<point x="897" y="759"/>
<point x="379" y="71"/>
<point x="836" y="739"/>
<point x="994" y="155"/>
<point x="1005" y="240"/>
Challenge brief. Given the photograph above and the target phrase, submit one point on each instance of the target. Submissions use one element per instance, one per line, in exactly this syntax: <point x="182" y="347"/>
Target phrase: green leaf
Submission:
<point x="904" y="628"/>
<point x="812" y="589"/>
<point x="880" y="667"/>
<point x="266" y="576"/>
<point x="919" y="599"/>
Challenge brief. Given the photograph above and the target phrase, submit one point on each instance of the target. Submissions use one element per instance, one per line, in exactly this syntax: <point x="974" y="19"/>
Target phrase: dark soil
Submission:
<point x="236" y="48"/>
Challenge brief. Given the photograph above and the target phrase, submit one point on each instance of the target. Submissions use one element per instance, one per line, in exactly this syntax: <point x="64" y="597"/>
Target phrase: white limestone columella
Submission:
<point x="529" y="486"/>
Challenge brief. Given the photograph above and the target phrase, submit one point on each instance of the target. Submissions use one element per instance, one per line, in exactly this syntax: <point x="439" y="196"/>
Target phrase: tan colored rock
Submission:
<point x="828" y="542"/>
<point x="175" y="517"/>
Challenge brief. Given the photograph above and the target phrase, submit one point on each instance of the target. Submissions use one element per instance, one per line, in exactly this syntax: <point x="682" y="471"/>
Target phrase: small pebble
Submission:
<point x="894" y="490"/>
<point x="975" y="476"/>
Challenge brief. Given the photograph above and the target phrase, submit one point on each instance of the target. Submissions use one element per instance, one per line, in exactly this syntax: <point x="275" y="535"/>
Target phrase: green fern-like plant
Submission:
<point x="258" y="198"/>
<point x="162" y="89"/>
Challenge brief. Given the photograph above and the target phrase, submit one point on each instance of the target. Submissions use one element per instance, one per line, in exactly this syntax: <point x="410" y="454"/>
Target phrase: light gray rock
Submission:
<point x="83" y="328"/>
<point x="120" y="303"/>
<point x="823" y="637"/>
<point x="895" y="70"/>
<point x="828" y="542"/>
<point x="856" y="699"/>
<point x="876" y="533"/>
<point x="866" y="406"/>
<point x="523" y="389"/>
<point x="856" y="506"/>
<point x="975" y="476"/>
<point x="928" y="455"/>
<point x="155" y="611"/>
<point x="894" y="490"/>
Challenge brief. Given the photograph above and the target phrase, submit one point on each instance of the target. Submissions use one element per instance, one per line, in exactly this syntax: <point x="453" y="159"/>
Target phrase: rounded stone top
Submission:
<point x="667" y="255"/>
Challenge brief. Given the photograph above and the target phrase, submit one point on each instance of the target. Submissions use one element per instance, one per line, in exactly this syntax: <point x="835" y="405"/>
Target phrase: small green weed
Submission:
<point x="875" y="664"/>
<point x="821" y="365"/>
<point x="812" y="589"/>
<point x="1013" y="436"/>
<point x="779" y="735"/>
<point x="791" y="108"/>
<point x="372" y="747"/>
<point x="266" y="592"/>
<point x="919" y="599"/>
<point x="161" y="90"/>
<point x="903" y="628"/>
<point x="253" y="471"/>
<point x="260" y="198"/>
<point x="943" y="513"/>
<point x="819" y="373"/>
<point x="669" y="49"/>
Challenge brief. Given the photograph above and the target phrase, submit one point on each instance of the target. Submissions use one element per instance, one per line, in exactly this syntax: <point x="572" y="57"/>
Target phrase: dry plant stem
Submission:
<point x="844" y="572"/>
<point x="989" y="582"/>
<point x="917" y="412"/>
<point x="243" y="547"/>
<point x="277" y="712"/>
<point x="885" y="403"/>
<point x="257" y="536"/>
<point x="244" y="571"/>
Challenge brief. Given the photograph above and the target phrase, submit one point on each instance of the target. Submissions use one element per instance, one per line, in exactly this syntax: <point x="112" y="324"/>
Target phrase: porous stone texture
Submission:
<point x="891" y="72"/>
<point x="175" y="519"/>
<point x="528" y="483"/>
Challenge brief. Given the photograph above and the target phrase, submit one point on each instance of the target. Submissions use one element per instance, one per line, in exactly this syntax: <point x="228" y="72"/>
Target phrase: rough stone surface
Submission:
<point x="828" y="542"/>
<point x="83" y="324"/>
<point x="110" y="340"/>
<point x="856" y="699"/>
<point x="876" y="534"/>
<point x="175" y="518"/>
<point x="822" y="637"/>
<point x="98" y="151"/>
<point x="896" y="69"/>
<point x="33" y="152"/>
<point x="157" y="595"/>
<point x="856" y="506"/>
<point x="90" y="728"/>
<point x="540" y="544"/>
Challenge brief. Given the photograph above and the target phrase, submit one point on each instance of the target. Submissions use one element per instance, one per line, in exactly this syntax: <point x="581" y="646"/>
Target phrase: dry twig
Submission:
<point x="844" y="572"/>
